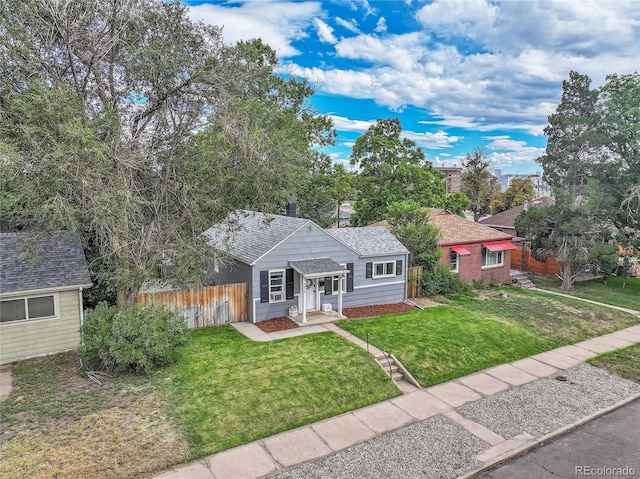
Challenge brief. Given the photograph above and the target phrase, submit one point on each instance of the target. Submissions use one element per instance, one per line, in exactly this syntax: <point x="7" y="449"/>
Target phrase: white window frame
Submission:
<point x="454" y="264"/>
<point x="273" y="289"/>
<point x="385" y="267"/>
<point x="487" y="254"/>
<point x="26" y="299"/>
<point x="335" y="283"/>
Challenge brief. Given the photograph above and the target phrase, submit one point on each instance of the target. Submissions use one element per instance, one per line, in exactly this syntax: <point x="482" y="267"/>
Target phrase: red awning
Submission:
<point x="499" y="246"/>
<point x="460" y="250"/>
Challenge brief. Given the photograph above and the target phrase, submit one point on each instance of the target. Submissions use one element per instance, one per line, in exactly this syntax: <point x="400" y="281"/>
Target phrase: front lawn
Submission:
<point x="624" y="362"/>
<point x="225" y="391"/>
<point x="229" y="390"/>
<point x="595" y="290"/>
<point x="476" y="331"/>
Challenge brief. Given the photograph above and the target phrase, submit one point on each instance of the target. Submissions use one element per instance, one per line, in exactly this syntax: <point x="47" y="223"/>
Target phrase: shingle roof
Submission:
<point x="28" y="263"/>
<point x="458" y="230"/>
<point x="316" y="266"/>
<point x="507" y="219"/>
<point x="369" y="240"/>
<point x="249" y="235"/>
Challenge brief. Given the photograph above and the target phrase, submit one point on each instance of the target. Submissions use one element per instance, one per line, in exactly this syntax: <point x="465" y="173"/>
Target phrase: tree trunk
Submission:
<point x="568" y="276"/>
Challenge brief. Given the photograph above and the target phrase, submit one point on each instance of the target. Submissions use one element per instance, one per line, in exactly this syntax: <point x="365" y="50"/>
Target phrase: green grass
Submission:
<point x="623" y="362"/>
<point x="595" y="290"/>
<point x="474" y="332"/>
<point x="228" y="390"/>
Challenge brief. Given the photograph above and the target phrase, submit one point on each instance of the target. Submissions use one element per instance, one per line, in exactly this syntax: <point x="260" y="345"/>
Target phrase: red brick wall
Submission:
<point x="470" y="267"/>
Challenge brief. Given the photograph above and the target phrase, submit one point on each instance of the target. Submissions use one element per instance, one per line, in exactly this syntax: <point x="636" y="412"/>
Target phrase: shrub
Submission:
<point x="440" y="280"/>
<point x="132" y="339"/>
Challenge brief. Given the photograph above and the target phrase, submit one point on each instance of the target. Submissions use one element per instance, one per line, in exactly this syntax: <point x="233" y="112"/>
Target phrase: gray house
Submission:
<point x="292" y="265"/>
<point x="41" y="283"/>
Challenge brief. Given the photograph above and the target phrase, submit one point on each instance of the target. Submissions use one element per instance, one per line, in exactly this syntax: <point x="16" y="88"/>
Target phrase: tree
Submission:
<point x="137" y="128"/>
<point x="457" y="203"/>
<point x="478" y="183"/>
<point x="519" y="191"/>
<point x="391" y="169"/>
<point x="619" y="167"/>
<point x="341" y="187"/>
<point x="604" y="257"/>
<point x="409" y="222"/>
<point x="572" y="134"/>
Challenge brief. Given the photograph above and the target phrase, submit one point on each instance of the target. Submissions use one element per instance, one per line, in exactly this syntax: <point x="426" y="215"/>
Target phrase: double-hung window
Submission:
<point x="276" y="286"/>
<point x="336" y="283"/>
<point x="384" y="269"/>
<point x="491" y="258"/>
<point x="453" y="261"/>
<point x="37" y="307"/>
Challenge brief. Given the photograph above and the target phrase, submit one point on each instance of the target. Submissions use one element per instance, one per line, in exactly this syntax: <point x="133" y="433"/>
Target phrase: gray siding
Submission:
<point x="311" y="243"/>
<point x="25" y="339"/>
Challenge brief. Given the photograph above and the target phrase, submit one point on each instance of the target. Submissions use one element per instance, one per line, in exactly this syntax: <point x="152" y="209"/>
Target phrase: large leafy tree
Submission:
<point x="137" y="128"/>
<point x="478" y="183"/>
<point x="519" y="191"/>
<point x="391" y="169"/>
<point x="409" y="222"/>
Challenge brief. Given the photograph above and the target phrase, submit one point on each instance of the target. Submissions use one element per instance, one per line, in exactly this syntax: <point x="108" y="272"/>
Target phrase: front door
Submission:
<point x="312" y="286"/>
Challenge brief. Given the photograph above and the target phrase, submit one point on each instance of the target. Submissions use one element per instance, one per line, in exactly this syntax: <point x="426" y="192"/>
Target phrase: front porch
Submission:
<point x="316" y="317"/>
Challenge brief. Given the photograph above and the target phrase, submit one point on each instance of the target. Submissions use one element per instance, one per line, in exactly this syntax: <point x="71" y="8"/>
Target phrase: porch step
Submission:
<point x="522" y="280"/>
<point x="390" y="366"/>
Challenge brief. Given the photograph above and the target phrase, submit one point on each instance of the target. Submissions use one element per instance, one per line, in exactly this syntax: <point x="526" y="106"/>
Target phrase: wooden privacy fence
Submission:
<point x="210" y="306"/>
<point x="414" y="279"/>
<point x="528" y="263"/>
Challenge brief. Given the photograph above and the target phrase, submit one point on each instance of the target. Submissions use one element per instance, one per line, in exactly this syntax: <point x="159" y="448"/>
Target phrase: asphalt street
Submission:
<point x="608" y="447"/>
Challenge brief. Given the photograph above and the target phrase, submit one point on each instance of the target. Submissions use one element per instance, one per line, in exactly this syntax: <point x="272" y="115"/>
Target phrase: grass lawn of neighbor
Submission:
<point x="225" y="391"/>
<point x="478" y="330"/>
<point x="595" y="289"/>
<point x="624" y="362"/>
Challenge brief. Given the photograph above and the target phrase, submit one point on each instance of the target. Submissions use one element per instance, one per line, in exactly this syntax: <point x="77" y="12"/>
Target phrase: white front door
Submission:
<point x="312" y="285"/>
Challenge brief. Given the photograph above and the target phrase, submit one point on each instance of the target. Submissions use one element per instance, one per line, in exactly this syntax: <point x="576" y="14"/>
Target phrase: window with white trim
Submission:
<point x="336" y="283"/>
<point x="35" y="307"/>
<point x="276" y="286"/>
<point x="384" y="269"/>
<point x="491" y="258"/>
<point x="454" y="260"/>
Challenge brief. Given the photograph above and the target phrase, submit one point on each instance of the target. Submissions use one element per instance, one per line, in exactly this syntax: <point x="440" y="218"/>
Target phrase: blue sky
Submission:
<point x="458" y="74"/>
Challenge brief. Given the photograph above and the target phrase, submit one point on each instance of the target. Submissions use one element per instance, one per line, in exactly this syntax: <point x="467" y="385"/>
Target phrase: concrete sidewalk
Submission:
<point x="457" y="428"/>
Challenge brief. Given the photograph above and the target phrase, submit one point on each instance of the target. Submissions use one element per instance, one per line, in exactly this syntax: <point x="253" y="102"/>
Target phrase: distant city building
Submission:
<point x="453" y="178"/>
<point x="540" y="187"/>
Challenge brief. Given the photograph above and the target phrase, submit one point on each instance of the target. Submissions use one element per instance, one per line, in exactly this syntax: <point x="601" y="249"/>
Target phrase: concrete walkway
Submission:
<point x="482" y="419"/>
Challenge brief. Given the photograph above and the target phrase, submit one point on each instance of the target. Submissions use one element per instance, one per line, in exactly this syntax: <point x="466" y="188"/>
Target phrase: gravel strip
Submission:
<point x="546" y="405"/>
<point x="436" y="447"/>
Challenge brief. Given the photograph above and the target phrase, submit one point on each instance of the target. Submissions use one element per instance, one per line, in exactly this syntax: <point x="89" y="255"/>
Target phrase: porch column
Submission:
<point x="340" y="283"/>
<point x="303" y="280"/>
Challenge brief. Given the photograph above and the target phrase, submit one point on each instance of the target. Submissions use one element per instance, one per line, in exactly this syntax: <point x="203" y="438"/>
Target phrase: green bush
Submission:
<point x="132" y="339"/>
<point x="440" y="280"/>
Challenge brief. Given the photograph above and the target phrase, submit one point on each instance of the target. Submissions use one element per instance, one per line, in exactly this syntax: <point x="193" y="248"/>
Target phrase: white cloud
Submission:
<point x="381" y="26"/>
<point x="278" y="23"/>
<point x="350" y="25"/>
<point x="342" y="123"/>
<point x="325" y="32"/>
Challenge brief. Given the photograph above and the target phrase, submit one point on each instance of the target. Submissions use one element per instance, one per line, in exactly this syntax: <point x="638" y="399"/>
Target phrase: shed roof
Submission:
<point x="369" y="240"/>
<point x="249" y="235"/>
<point x="31" y="263"/>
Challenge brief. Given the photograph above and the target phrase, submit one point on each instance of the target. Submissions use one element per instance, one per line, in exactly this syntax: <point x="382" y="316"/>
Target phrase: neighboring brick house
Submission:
<point x="505" y="220"/>
<point x="474" y="251"/>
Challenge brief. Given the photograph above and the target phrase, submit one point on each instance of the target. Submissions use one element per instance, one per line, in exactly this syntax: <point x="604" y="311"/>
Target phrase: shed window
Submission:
<point x="276" y="286"/>
<point x="38" y="307"/>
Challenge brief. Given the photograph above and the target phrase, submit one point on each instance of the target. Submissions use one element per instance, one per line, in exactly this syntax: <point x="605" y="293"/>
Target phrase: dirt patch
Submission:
<point x="276" y="324"/>
<point x="376" y="310"/>
<point x="426" y="302"/>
